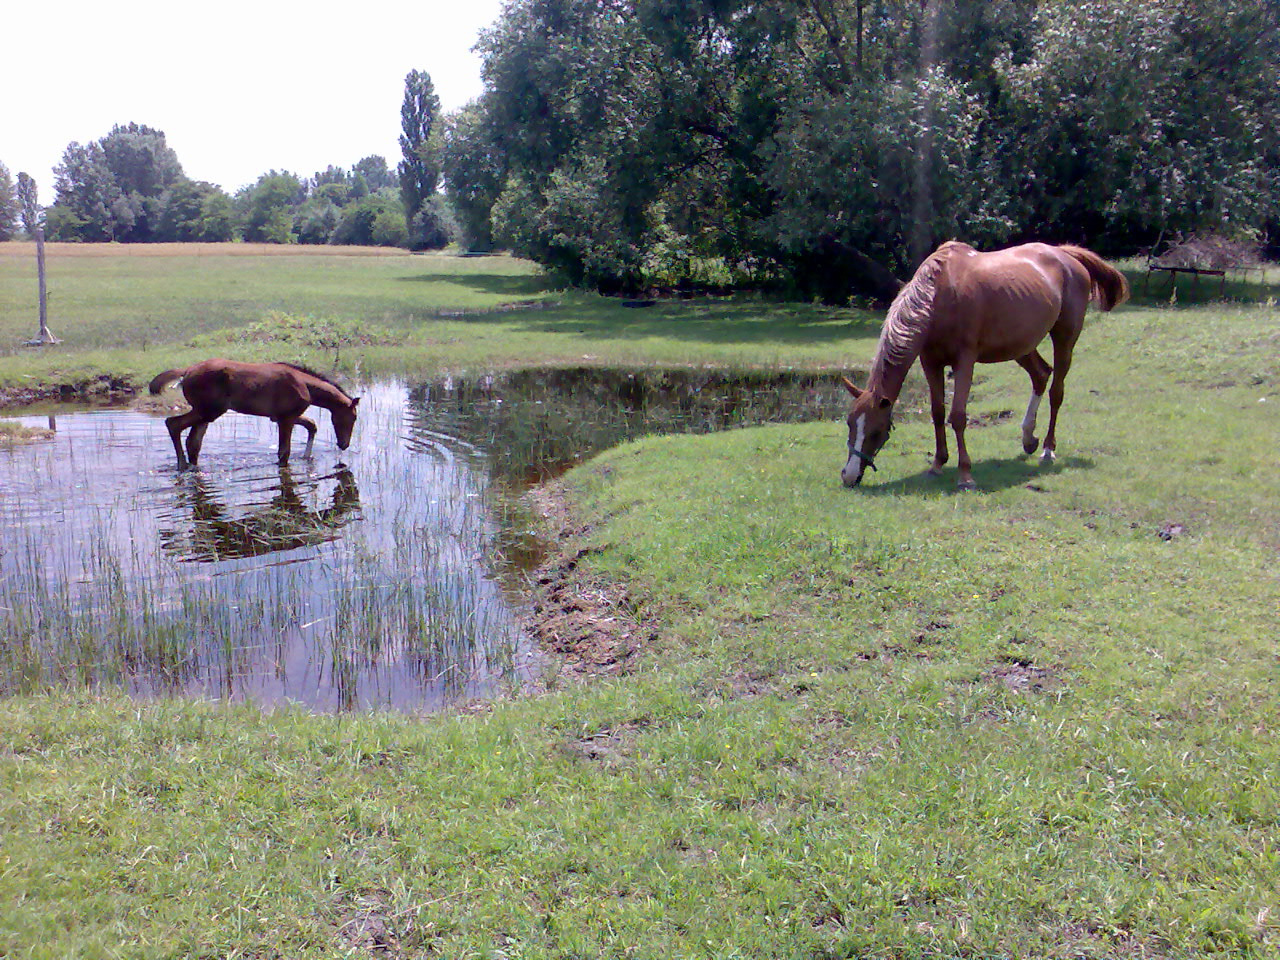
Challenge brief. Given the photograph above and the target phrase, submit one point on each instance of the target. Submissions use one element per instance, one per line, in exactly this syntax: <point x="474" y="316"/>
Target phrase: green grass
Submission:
<point x="128" y="317"/>
<point x="893" y="722"/>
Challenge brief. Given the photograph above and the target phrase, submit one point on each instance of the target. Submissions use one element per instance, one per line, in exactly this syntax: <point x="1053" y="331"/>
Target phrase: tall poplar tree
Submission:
<point x="420" y="168"/>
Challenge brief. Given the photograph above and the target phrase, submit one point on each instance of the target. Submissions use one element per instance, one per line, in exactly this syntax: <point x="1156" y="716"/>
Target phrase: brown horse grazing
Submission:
<point x="964" y="307"/>
<point x="279" y="391"/>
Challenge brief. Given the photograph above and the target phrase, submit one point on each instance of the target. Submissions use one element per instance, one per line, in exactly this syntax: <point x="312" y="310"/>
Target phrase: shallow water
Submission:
<point x="387" y="576"/>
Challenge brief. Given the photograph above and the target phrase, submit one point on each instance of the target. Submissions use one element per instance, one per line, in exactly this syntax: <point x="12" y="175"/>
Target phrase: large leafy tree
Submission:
<point x="832" y="143"/>
<point x="474" y="168"/>
<point x="88" y="205"/>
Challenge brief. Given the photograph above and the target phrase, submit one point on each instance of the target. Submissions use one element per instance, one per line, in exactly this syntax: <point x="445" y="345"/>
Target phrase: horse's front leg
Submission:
<point x="935" y="376"/>
<point x="960" y="419"/>
<point x="310" y="426"/>
<point x="285" y="425"/>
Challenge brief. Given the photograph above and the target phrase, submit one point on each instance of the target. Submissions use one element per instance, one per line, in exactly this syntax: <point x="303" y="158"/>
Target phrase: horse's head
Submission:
<point x="344" y="421"/>
<point x="870" y="420"/>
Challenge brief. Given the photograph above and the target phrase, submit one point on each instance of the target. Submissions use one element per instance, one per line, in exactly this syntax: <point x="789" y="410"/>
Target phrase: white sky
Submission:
<point x="239" y="87"/>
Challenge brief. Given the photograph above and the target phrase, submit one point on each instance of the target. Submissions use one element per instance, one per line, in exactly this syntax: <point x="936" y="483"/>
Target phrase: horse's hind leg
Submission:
<point x="195" y="440"/>
<point x="1061" y="364"/>
<point x="1039" y="371"/>
<point x="176" y="424"/>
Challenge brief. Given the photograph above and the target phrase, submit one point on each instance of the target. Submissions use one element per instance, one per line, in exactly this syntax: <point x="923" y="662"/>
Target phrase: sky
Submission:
<point x="239" y="87"/>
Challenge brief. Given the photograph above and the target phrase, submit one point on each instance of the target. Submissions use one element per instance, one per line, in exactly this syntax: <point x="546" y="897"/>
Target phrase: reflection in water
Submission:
<point x="339" y="587"/>
<point x="286" y="522"/>
<point x="529" y="425"/>
<point x="387" y="582"/>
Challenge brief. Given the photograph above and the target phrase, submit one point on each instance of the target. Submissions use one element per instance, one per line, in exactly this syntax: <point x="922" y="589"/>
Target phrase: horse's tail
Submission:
<point x="160" y="381"/>
<point x="1107" y="284"/>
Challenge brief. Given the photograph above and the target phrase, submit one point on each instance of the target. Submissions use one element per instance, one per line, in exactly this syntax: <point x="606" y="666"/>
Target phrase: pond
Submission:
<point x="389" y="576"/>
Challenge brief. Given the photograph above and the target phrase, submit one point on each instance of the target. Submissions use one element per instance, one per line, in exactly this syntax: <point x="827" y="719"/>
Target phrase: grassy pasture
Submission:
<point x="1037" y="720"/>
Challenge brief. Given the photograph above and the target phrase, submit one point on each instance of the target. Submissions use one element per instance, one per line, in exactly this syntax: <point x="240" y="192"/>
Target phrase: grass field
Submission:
<point x="1036" y="720"/>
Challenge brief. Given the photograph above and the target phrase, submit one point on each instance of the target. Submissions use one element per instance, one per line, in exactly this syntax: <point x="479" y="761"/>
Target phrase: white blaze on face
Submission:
<point x="853" y="469"/>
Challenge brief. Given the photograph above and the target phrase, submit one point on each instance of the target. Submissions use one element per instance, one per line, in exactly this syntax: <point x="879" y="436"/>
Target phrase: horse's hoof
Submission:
<point x="966" y="485"/>
<point x="935" y="471"/>
<point x="1029" y="446"/>
<point x="1048" y="456"/>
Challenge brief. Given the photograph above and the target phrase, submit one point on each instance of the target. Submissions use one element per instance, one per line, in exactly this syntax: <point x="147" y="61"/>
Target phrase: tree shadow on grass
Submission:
<point x="709" y="321"/>
<point x="990" y="475"/>
<point x="490" y="284"/>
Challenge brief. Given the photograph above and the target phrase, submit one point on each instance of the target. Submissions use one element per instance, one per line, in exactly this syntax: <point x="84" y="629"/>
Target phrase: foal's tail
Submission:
<point x="1108" y="285"/>
<point x="164" y="379"/>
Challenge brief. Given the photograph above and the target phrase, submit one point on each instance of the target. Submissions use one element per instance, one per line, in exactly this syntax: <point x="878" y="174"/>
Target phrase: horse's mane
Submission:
<point x="314" y="373"/>
<point x="910" y="311"/>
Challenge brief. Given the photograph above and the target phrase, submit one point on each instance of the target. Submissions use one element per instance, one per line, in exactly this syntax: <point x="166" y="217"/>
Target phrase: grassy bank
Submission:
<point x="1036" y="720"/>
<point x="125" y="316"/>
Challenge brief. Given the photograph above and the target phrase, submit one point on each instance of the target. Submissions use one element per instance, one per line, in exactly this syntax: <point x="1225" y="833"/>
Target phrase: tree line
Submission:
<point x="829" y="145"/>
<point x="818" y="146"/>
<point x="129" y="187"/>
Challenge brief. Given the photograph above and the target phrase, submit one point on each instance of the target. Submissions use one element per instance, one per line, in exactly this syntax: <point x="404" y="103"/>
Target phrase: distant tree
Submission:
<point x="182" y="209"/>
<point x="420" y="166"/>
<point x="218" y="220"/>
<point x="87" y="203"/>
<point x="474" y="169"/>
<point x="374" y="171"/>
<point x="29" y="205"/>
<point x="268" y="207"/>
<point x="140" y="160"/>
<point x="317" y="218"/>
<point x="375" y="220"/>
<point x="8" y="204"/>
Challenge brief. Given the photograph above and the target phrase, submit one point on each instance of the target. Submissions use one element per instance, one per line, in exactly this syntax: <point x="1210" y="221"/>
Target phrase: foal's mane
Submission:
<point x="909" y="315"/>
<point x="314" y="373"/>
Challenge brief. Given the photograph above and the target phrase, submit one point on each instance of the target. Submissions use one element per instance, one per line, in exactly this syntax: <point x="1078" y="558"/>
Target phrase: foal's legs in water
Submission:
<point x="1039" y="371"/>
<point x="198" y="422"/>
<point x="286" y="426"/>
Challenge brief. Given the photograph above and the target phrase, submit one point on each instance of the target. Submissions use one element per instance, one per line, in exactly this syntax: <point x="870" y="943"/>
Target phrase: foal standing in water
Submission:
<point x="964" y="307"/>
<point x="278" y="391"/>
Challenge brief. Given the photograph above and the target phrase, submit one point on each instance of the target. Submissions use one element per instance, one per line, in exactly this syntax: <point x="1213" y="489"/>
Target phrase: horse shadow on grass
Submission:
<point x="990" y="475"/>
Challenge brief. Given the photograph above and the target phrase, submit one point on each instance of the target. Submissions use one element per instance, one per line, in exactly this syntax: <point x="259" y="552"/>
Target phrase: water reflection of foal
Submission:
<point x="284" y="523"/>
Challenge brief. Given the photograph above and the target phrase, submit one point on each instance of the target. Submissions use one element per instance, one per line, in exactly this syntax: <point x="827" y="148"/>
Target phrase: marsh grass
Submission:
<point x="1035" y="720"/>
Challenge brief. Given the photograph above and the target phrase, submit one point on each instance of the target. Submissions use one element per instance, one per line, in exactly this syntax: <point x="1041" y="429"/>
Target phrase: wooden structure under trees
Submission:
<point x="1207" y="256"/>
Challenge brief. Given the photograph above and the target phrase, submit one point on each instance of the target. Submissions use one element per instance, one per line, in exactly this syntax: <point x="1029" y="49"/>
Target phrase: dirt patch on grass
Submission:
<point x="587" y="620"/>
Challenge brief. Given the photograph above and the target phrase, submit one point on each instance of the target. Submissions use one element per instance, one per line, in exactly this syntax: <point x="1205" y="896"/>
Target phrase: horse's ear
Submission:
<point x="849" y="385"/>
<point x="355" y="401"/>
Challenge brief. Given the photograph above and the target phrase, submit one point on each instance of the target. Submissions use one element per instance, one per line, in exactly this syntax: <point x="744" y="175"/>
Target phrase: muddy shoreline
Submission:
<point x="102" y="389"/>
